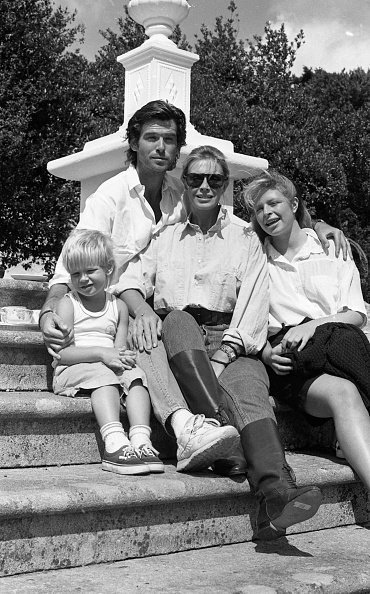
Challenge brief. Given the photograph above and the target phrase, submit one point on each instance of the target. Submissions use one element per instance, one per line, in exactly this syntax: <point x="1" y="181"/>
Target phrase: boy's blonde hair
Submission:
<point x="86" y="247"/>
<point x="272" y="180"/>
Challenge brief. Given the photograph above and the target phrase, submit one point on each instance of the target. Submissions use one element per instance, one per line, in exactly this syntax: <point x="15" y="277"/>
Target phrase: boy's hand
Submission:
<point x="298" y="337"/>
<point x="280" y="364"/>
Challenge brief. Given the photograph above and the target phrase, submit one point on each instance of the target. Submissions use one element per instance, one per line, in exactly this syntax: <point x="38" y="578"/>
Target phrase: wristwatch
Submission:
<point x="229" y="351"/>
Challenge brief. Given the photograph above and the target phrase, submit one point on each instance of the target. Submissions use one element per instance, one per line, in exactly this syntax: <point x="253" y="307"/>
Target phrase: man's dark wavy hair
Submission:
<point x="155" y="110"/>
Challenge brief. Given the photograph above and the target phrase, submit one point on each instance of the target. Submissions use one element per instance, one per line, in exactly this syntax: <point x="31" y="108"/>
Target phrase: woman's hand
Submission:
<point x="217" y="368"/>
<point x="298" y="337"/>
<point x="57" y="334"/>
<point x="274" y="359"/>
<point x="146" y="329"/>
<point x="219" y="362"/>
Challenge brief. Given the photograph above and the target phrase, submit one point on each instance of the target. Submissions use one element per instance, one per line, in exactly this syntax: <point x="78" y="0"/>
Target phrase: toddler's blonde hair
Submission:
<point x="86" y="247"/>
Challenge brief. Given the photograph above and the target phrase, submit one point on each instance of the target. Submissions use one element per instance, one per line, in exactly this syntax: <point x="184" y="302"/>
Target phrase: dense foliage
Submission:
<point x="314" y="128"/>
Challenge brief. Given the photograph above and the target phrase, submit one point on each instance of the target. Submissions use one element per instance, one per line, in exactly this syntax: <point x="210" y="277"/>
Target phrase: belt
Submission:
<point x="209" y="318"/>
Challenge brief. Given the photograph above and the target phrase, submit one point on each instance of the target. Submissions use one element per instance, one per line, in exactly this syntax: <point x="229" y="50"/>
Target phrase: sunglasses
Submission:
<point x="214" y="180"/>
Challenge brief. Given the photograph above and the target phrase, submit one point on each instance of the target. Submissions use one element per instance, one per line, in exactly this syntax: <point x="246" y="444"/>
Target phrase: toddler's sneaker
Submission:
<point x="149" y="455"/>
<point x="202" y="442"/>
<point x="124" y="461"/>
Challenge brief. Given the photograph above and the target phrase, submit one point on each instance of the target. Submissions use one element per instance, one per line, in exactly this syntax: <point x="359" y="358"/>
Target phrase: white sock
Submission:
<point x="179" y="419"/>
<point x="114" y="436"/>
<point x="140" y="435"/>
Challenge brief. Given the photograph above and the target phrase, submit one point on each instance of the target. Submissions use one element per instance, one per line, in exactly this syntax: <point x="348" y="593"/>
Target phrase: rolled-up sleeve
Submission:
<point x="248" y="326"/>
<point x="98" y="215"/>
<point x="139" y="273"/>
<point x="350" y="289"/>
<point x="60" y="276"/>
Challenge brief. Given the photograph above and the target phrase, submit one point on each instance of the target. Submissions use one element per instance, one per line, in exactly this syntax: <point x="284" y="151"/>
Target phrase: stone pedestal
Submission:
<point x="157" y="69"/>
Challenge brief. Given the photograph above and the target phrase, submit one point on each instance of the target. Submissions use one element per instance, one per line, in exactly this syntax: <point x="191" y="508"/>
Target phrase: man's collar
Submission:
<point x="133" y="180"/>
<point x="132" y="177"/>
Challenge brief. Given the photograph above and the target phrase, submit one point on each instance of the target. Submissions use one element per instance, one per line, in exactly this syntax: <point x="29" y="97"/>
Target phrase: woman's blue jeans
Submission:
<point x="245" y="381"/>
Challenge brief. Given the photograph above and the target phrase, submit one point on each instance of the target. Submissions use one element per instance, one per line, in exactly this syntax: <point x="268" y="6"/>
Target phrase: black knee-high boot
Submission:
<point x="204" y="395"/>
<point x="281" y="502"/>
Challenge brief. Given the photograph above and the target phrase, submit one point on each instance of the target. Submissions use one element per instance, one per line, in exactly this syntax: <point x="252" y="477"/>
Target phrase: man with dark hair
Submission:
<point x="155" y="110"/>
<point x="130" y="207"/>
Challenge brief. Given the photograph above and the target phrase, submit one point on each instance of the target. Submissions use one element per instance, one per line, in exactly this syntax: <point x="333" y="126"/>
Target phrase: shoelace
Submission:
<point x="127" y="453"/>
<point x="146" y="450"/>
<point x="199" y="421"/>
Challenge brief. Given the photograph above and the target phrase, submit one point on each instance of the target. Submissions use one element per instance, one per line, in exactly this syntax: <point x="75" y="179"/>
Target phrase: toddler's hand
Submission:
<point x="127" y="358"/>
<point x="111" y="358"/>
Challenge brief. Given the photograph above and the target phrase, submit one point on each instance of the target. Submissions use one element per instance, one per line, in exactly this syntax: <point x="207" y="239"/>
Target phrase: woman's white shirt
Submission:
<point x="223" y="270"/>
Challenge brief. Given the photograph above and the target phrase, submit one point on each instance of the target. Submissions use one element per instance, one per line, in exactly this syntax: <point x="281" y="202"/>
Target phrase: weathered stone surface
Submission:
<point x="42" y="429"/>
<point x="24" y="361"/>
<point x="31" y="294"/>
<point x="333" y="561"/>
<point x="63" y="517"/>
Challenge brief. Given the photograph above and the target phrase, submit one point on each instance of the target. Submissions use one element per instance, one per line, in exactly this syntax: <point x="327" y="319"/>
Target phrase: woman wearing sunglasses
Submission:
<point x="208" y="276"/>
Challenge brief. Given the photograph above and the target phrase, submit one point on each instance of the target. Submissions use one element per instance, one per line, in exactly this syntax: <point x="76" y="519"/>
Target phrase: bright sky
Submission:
<point x="337" y="32"/>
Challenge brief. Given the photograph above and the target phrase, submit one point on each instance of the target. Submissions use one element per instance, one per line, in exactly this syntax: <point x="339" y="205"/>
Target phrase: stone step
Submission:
<point x="57" y="517"/>
<point x="31" y="294"/>
<point x="331" y="561"/>
<point x="24" y="361"/>
<point x="42" y="429"/>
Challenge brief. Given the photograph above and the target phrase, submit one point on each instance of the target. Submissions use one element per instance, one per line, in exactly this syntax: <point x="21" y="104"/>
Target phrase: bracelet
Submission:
<point x="44" y="312"/>
<point x="229" y="351"/>
<point x="218" y="361"/>
<point x="232" y="346"/>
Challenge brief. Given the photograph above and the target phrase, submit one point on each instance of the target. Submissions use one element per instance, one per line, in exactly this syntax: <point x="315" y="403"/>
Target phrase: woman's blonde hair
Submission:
<point x="203" y="153"/>
<point x="272" y="180"/>
<point x="86" y="247"/>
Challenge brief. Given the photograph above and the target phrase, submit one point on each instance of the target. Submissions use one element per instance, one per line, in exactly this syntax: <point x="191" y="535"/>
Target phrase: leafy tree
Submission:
<point x="41" y="87"/>
<point x="314" y="128"/>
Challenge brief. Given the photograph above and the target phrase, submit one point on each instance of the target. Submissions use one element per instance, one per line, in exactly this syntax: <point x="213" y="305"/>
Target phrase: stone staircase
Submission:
<point x="58" y="509"/>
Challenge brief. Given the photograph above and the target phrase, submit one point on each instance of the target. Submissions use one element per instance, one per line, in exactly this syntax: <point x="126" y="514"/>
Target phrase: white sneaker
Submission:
<point x="202" y="442"/>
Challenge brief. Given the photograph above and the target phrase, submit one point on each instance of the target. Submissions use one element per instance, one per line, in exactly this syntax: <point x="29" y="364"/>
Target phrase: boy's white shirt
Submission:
<point x="313" y="284"/>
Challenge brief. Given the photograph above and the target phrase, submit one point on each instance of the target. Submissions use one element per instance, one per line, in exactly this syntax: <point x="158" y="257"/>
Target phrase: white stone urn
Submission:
<point x="158" y="17"/>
